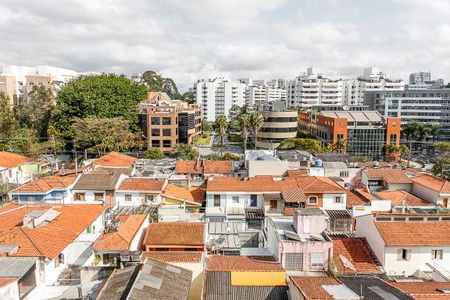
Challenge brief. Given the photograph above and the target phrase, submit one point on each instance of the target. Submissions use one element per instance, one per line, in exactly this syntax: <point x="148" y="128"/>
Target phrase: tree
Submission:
<point x="256" y="122"/>
<point x="102" y="96"/>
<point x="206" y="126"/>
<point x="231" y="156"/>
<point x="221" y="126"/>
<point x="24" y="142"/>
<point x="188" y="97"/>
<point x="308" y="145"/>
<point x="213" y="156"/>
<point x="39" y="107"/>
<point x="412" y="130"/>
<point x="244" y="124"/>
<point x="154" y="153"/>
<point x="442" y="166"/>
<point x="8" y="124"/>
<point x="185" y="152"/>
<point x="233" y="113"/>
<point x="157" y="83"/>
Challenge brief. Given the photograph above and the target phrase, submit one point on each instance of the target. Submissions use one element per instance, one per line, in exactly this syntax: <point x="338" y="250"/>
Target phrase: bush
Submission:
<point x="154" y="153"/>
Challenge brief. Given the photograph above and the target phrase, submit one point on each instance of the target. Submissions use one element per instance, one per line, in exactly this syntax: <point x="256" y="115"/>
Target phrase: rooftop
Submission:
<point x="115" y="159"/>
<point x="388" y="175"/>
<point x="176" y="233"/>
<point x="397" y="198"/>
<point x="373" y="288"/>
<point x="174" y="256"/>
<point x="46" y="184"/>
<point x="223" y="263"/>
<point x="141" y="184"/>
<point x="204" y="166"/>
<point x="16" y="266"/>
<point x="424" y="290"/>
<point x="314" y="287"/>
<point x="353" y="255"/>
<point x="11" y="160"/>
<point x="194" y="195"/>
<point x="100" y="179"/>
<point x="354" y="116"/>
<point x="434" y="183"/>
<point x="119" y="283"/>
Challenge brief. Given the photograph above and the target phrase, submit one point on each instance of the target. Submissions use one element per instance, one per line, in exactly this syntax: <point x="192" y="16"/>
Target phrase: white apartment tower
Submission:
<point x="256" y="95"/>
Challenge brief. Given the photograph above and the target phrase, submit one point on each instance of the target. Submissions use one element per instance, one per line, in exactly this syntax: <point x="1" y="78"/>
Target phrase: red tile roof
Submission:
<point x="142" y="184"/>
<point x="10" y="160"/>
<point x="388" y="175"/>
<point x="50" y="239"/>
<point x="254" y="184"/>
<point x="223" y="263"/>
<point x="423" y="290"/>
<point x="434" y="183"/>
<point x="294" y="195"/>
<point x="414" y="233"/>
<point x="397" y="197"/>
<point x="318" y="184"/>
<point x="311" y="286"/>
<point x="46" y="184"/>
<point x="297" y="172"/>
<point x="115" y="159"/>
<point x="121" y="239"/>
<point x="194" y="195"/>
<point x="357" y="251"/>
<point x="6" y="281"/>
<point x="174" y="256"/>
<point x="355" y="198"/>
<point x="204" y="166"/>
<point x="176" y="233"/>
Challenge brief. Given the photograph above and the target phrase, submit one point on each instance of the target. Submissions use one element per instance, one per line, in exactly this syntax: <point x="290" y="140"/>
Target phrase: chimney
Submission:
<point x="63" y="169"/>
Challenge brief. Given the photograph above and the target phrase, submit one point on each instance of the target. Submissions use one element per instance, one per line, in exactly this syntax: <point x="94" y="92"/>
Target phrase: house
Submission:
<point x="389" y="179"/>
<point x="425" y="290"/>
<point x="402" y="200"/>
<point x="181" y="203"/>
<point x="407" y="244"/>
<point x="322" y="192"/>
<point x="264" y="162"/>
<point x="432" y="188"/>
<point x="138" y="191"/>
<point x="299" y="242"/>
<point x="115" y="160"/>
<point x="201" y="168"/>
<point x="175" y="236"/>
<point x="57" y="235"/>
<point x="296" y="158"/>
<point x="14" y="168"/>
<point x="18" y="277"/>
<point x="244" y="277"/>
<point x="53" y="189"/>
<point x="319" y="288"/>
<point x="128" y="238"/>
<point x="99" y="185"/>
<point x="371" y="287"/>
<point x="339" y="169"/>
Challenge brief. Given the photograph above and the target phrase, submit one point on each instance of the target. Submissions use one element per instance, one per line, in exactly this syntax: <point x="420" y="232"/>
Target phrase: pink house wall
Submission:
<point x="306" y="248"/>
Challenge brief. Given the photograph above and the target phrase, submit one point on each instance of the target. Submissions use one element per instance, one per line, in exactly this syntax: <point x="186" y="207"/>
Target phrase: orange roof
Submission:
<point x="46" y="184"/>
<point x="355" y="198"/>
<point x="414" y="233"/>
<point x="176" y="233"/>
<point x="50" y="239"/>
<point x="318" y="184"/>
<point x="10" y="160"/>
<point x="436" y="184"/>
<point x="398" y="196"/>
<point x="357" y="251"/>
<point x="223" y="263"/>
<point x="194" y="195"/>
<point x="427" y="290"/>
<point x="297" y="172"/>
<point x="311" y="286"/>
<point x="141" y="184"/>
<point x="174" y="256"/>
<point x="115" y="159"/>
<point x="389" y="175"/>
<point x="204" y="166"/>
<point x="253" y="184"/>
<point x="6" y="281"/>
<point x="121" y="239"/>
<point x="295" y="195"/>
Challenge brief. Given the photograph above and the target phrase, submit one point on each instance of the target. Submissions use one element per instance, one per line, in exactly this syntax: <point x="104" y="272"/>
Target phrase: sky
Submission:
<point x="262" y="39"/>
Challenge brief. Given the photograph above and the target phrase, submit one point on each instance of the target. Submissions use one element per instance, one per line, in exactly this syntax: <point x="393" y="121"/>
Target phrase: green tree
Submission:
<point x="234" y="113"/>
<point x="103" y="96"/>
<point x="8" y="124"/>
<point x="24" y="142"/>
<point x="39" y="107"/>
<point x="213" y="156"/>
<point x="154" y="153"/>
<point x="231" y="156"/>
<point x="188" y="97"/>
<point x="308" y="145"/>
<point x="157" y="83"/>
<point x="221" y="126"/>
<point x="244" y="124"/>
<point x="442" y="166"/>
<point x="185" y="152"/>
<point x="256" y="122"/>
<point x="206" y="126"/>
<point x="442" y="146"/>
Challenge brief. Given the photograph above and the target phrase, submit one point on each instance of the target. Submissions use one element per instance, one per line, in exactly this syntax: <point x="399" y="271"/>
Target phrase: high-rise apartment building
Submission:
<point x="258" y="95"/>
<point x="419" y="77"/>
<point x="218" y="95"/>
<point x="278" y="125"/>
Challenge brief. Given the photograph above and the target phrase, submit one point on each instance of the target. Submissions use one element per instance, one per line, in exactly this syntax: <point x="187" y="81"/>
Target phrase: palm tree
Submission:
<point x="434" y="130"/>
<point x="244" y="124"/>
<point x="412" y="130"/>
<point x="256" y="122"/>
<point x="221" y="126"/>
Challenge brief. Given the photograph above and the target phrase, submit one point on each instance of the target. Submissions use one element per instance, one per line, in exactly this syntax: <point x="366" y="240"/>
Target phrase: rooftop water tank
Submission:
<point x="318" y="163"/>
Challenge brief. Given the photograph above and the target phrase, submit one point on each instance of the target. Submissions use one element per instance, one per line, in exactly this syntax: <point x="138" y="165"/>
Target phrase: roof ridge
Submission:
<point x="31" y="241"/>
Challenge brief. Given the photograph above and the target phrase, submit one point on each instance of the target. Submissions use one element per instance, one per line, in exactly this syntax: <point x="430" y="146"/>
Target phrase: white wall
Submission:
<point x="269" y="167"/>
<point x="365" y="227"/>
<point x="10" y="291"/>
<point x="425" y="193"/>
<point x="136" y="243"/>
<point x="227" y="202"/>
<point x="399" y="186"/>
<point x="135" y="199"/>
<point x="17" y="176"/>
<point x="89" y="196"/>
<point x="329" y="201"/>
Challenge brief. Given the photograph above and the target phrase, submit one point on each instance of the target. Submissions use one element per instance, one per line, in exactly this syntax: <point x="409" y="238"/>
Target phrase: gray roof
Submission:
<point x="373" y="288"/>
<point x="101" y="179"/>
<point x="218" y="287"/>
<point x="310" y="211"/>
<point x="260" y="155"/>
<point x="335" y="165"/>
<point x="294" y="155"/>
<point x="354" y="116"/>
<point x="16" y="266"/>
<point x="119" y="284"/>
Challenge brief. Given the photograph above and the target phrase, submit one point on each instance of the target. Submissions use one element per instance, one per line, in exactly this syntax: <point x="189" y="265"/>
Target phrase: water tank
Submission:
<point x="318" y="163"/>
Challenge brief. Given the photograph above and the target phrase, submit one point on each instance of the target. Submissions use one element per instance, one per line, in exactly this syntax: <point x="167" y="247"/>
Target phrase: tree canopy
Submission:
<point x="185" y="152"/>
<point x="157" y="83"/>
<point x="309" y="145"/>
<point x="154" y="153"/>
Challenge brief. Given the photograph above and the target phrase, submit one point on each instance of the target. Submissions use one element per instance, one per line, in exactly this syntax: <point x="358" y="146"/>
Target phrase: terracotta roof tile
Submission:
<point x="6" y="281"/>
<point x="297" y="172"/>
<point x="174" y="256"/>
<point x="294" y="195"/>
<point x="434" y="183"/>
<point x="204" y="166"/>
<point x="423" y="290"/>
<point x="141" y="184"/>
<point x="254" y="184"/>
<point x="223" y="263"/>
<point x="10" y="160"/>
<point x="46" y="184"/>
<point x="115" y="159"/>
<point x="389" y="175"/>
<point x="357" y="251"/>
<point x="318" y="184"/>
<point x="398" y="196"/>
<point x="194" y="195"/>
<point x="311" y="286"/>
<point x="414" y="233"/>
<point x="355" y="198"/>
<point x="176" y="233"/>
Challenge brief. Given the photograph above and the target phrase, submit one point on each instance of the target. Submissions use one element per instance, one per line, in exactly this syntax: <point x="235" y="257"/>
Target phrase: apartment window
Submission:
<point x="149" y="198"/>
<point x="98" y="196"/>
<point x="337" y="199"/>
<point x="216" y="200"/>
<point x="437" y="254"/>
<point x="80" y="196"/>
<point x="343" y="174"/>
<point x="393" y="138"/>
<point x="403" y="254"/>
<point x="167" y="132"/>
<point x="313" y="200"/>
<point x="167" y="143"/>
<point x="155" y="121"/>
<point x="127" y="198"/>
<point x="317" y="259"/>
<point x="166" y="120"/>
<point x="59" y="260"/>
<point x="273" y="204"/>
<point x="253" y="200"/>
<point x="156" y="143"/>
<point x="156" y="132"/>
<point x="31" y="199"/>
<point x="235" y="199"/>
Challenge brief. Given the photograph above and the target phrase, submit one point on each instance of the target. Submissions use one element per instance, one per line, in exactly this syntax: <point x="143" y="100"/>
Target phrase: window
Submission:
<point x="166" y="121"/>
<point x="317" y="259"/>
<point x="155" y="121"/>
<point x="337" y="199"/>
<point x="59" y="195"/>
<point x="167" y="132"/>
<point x="216" y="200"/>
<point x="273" y="204"/>
<point x="235" y="199"/>
<point x="167" y="143"/>
<point x="437" y="254"/>
<point x="253" y="200"/>
<point x="313" y="200"/>
<point x="343" y="174"/>
<point x="59" y="260"/>
<point x="149" y="198"/>
<point x="156" y="143"/>
<point x="156" y="132"/>
<point x="80" y="196"/>
<point x="98" y="196"/>
<point x="403" y="254"/>
<point x="31" y="199"/>
<point x="128" y="198"/>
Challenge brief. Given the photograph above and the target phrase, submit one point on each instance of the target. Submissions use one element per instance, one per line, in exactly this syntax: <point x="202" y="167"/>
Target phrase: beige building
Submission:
<point x="278" y="126"/>
<point x="38" y="80"/>
<point x="8" y="87"/>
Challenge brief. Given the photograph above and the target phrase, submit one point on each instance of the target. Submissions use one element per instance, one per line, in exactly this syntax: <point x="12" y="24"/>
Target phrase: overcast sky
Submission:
<point x="191" y="39"/>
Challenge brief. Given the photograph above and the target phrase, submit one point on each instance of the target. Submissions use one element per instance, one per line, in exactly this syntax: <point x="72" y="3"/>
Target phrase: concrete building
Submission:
<point x="259" y="95"/>
<point x="278" y="126"/>
<point x="8" y="87"/>
<point x="419" y="77"/>
<point x="218" y="95"/>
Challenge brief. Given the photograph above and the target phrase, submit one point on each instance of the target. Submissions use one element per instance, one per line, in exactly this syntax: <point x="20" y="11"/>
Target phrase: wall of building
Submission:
<point x="365" y="227"/>
<point x="267" y="167"/>
<point x="330" y="203"/>
<point x="426" y="193"/>
<point x="197" y="278"/>
<point x="10" y="291"/>
<point x="137" y="241"/>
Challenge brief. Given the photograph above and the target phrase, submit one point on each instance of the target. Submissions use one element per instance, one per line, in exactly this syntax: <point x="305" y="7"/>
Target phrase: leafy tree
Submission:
<point x="102" y="96"/>
<point x="442" y="146"/>
<point x="213" y="156"/>
<point x="416" y="130"/>
<point x="256" y="122"/>
<point x="305" y="135"/>
<point x="38" y="110"/>
<point x="8" y="124"/>
<point x="221" y="126"/>
<point x="233" y="113"/>
<point x="154" y="153"/>
<point x="231" y="156"/>
<point x="185" y="152"/>
<point x="206" y="126"/>
<point x="404" y="150"/>
<point x="244" y="124"/>
<point x="308" y="145"/>
<point x="157" y="83"/>
<point x="188" y="97"/>
<point x="442" y="166"/>
<point x="24" y="142"/>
